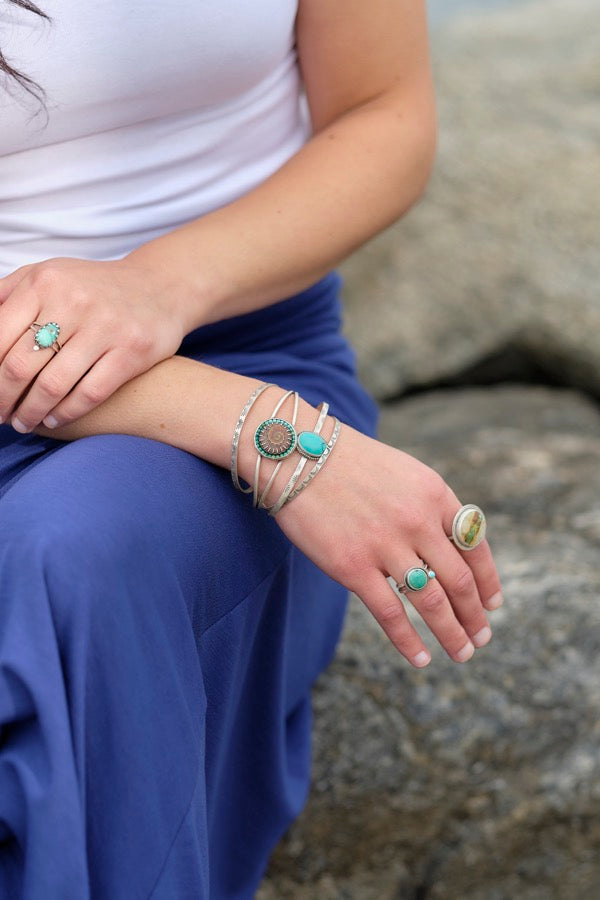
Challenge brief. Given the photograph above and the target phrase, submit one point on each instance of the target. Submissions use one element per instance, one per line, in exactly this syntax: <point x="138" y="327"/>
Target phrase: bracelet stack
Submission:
<point x="276" y="438"/>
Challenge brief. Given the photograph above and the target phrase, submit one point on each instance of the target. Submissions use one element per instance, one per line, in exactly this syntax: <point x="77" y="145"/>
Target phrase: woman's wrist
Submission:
<point x="186" y="287"/>
<point x="306" y="419"/>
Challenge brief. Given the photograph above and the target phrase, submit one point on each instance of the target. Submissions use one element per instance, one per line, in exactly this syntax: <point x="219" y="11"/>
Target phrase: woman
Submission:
<point x="158" y="635"/>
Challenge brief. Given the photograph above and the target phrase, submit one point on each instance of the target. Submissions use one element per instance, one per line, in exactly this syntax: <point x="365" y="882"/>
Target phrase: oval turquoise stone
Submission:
<point x="46" y="336"/>
<point x="311" y="444"/>
<point x="416" y="579"/>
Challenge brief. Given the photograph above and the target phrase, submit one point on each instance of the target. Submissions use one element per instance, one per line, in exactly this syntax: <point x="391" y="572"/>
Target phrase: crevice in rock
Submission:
<point x="512" y="364"/>
<point x="421" y="892"/>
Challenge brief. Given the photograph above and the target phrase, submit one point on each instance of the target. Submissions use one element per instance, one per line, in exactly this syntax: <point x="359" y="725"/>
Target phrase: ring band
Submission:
<point x="46" y="336"/>
<point x="469" y="527"/>
<point x="416" y="578"/>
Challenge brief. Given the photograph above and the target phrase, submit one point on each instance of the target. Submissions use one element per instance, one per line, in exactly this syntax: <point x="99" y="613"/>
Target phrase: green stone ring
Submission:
<point x="46" y="336"/>
<point x="416" y="578"/>
<point x="468" y="527"/>
<point x="275" y="438"/>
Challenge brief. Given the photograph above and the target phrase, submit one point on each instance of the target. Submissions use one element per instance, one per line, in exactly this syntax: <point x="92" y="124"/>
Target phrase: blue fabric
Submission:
<point x="158" y="641"/>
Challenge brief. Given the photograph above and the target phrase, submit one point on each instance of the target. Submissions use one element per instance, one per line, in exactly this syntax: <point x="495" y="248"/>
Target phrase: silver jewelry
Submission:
<point x="289" y="448"/>
<point x="273" y="510"/>
<point x="416" y="578"/>
<point x="323" y="410"/>
<point x="469" y="527"/>
<point x="46" y="336"/>
<point x="238" y="430"/>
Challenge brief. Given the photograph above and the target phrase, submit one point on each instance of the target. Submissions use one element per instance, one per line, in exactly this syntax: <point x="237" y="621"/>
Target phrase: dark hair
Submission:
<point x="24" y="80"/>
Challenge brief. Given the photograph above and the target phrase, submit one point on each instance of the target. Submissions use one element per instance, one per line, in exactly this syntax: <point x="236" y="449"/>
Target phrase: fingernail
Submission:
<point x="482" y="637"/>
<point x="18" y="426"/>
<point x="1" y="420"/>
<point x="422" y="658"/>
<point x="495" y="601"/>
<point x="465" y="652"/>
<point x="50" y="422"/>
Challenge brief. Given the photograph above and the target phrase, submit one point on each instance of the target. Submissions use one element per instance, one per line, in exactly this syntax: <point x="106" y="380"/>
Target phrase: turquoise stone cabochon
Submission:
<point x="310" y="444"/>
<point x="47" y="335"/>
<point x="416" y="579"/>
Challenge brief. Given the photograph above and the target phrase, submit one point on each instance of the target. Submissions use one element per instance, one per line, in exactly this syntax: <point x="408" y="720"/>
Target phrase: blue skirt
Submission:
<point x="158" y="642"/>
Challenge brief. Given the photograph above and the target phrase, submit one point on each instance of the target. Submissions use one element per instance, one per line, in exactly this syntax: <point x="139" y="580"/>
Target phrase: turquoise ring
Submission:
<point x="416" y="578"/>
<point x="46" y="336"/>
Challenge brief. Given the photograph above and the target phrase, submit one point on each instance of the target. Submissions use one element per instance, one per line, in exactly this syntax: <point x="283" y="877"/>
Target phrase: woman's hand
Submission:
<point x="374" y="511"/>
<point x="117" y="319"/>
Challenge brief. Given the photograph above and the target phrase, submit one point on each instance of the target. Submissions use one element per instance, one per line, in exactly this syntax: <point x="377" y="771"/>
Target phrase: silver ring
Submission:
<point x="46" y="336"/>
<point x="416" y="578"/>
<point x="469" y="527"/>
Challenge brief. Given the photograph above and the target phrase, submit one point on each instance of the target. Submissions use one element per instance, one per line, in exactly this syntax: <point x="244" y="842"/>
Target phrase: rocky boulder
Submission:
<point x="495" y="271"/>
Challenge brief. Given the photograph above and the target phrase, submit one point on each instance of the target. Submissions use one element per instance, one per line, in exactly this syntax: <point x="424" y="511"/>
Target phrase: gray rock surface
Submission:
<point x="480" y="781"/>
<point x="502" y="251"/>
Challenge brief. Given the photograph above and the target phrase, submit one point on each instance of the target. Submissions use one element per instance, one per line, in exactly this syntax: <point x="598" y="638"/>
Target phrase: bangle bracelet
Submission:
<point x="238" y="430"/>
<point x="323" y="459"/>
<point x="323" y="410"/>
<point x="259" y="458"/>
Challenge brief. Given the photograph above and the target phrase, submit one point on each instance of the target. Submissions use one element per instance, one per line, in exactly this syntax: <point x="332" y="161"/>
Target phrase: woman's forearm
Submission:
<point x="189" y="405"/>
<point x="352" y="179"/>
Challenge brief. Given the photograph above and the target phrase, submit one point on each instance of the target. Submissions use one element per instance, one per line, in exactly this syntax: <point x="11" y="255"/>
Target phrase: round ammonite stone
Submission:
<point x="275" y="438"/>
<point x="469" y="527"/>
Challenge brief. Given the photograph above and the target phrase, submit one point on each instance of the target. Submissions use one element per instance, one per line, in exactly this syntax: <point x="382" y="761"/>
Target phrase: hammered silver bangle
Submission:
<point x="237" y="432"/>
<point x="321" y="462"/>
<point x="323" y="410"/>
<point x="278" y="405"/>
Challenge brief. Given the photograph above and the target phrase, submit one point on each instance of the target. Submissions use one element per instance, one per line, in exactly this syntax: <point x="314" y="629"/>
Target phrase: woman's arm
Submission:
<point x="368" y="83"/>
<point x="372" y="510"/>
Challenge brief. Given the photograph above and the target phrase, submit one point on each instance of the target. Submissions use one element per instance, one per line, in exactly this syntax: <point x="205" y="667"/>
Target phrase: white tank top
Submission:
<point x="158" y="113"/>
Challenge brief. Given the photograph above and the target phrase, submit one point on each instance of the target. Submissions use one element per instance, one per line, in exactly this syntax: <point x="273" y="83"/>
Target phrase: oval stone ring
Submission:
<point x="469" y="527"/>
<point x="46" y="336"/>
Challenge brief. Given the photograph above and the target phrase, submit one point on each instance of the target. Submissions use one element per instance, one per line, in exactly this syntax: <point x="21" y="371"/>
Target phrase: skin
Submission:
<point x="369" y="160"/>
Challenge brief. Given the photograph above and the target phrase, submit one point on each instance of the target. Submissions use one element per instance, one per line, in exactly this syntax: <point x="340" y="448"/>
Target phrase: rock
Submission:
<point x="478" y="781"/>
<point x="500" y="258"/>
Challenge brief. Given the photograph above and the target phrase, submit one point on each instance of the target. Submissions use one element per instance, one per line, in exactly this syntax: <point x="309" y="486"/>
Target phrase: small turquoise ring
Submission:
<point x="416" y="578"/>
<point x="46" y="336"/>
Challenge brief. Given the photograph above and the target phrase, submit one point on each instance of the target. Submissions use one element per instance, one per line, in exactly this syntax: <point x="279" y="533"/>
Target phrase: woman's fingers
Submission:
<point x="109" y="373"/>
<point x="439" y="614"/>
<point x="388" y="610"/>
<point x="479" y="559"/>
<point x="452" y="604"/>
<point x="481" y="563"/>
<point x="17" y="370"/>
<point x="455" y="579"/>
<point x="54" y="382"/>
